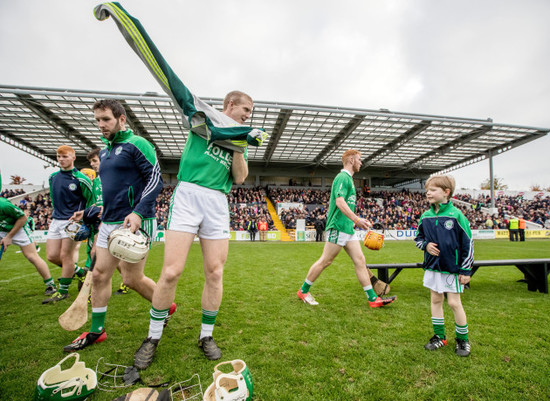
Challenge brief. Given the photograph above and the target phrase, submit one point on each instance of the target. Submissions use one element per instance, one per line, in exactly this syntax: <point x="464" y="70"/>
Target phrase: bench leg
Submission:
<point x="536" y="275"/>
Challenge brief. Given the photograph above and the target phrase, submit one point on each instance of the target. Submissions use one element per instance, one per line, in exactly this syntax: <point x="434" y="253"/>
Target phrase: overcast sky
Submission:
<point x="478" y="59"/>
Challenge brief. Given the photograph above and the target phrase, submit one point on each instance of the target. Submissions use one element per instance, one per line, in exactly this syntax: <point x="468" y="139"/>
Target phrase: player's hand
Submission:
<point x="363" y="224"/>
<point x="77" y="216"/>
<point x="132" y="221"/>
<point x="6" y="241"/>
<point x="432" y="249"/>
<point x="100" y="211"/>
<point x="463" y="279"/>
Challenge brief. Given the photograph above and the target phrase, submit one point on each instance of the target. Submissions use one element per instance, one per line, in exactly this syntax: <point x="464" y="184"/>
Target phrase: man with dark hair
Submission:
<point x="130" y="180"/>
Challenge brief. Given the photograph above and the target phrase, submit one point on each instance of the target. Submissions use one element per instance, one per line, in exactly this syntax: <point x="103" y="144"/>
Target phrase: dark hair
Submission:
<point x="93" y="153"/>
<point x="112" y="104"/>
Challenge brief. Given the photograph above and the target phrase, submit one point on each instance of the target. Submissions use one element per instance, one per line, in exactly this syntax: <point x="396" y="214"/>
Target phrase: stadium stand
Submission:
<point x="395" y="210"/>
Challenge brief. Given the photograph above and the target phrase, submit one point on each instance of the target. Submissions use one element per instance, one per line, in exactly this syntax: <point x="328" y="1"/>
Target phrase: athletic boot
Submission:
<point x="84" y="340"/>
<point x="210" y="349"/>
<point x="173" y="308"/>
<point x="123" y="289"/>
<point x="307" y="298"/>
<point x="435" y="342"/>
<point x="378" y="302"/>
<point x="56" y="298"/>
<point x="144" y="355"/>
<point x="462" y="347"/>
<point x="50" y="290"/>
<point x="81" y="278"/>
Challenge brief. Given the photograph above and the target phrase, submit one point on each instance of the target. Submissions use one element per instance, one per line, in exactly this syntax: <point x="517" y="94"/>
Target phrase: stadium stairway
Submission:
<point x="277" y="222"/>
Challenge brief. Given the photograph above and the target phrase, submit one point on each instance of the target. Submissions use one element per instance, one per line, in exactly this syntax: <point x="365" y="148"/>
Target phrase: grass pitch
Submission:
<point x="339" y="350"/>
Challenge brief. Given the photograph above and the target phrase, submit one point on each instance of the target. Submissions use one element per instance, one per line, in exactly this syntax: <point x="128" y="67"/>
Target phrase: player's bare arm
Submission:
<point x="239" y="168"/>
<point x="344" y="208"/>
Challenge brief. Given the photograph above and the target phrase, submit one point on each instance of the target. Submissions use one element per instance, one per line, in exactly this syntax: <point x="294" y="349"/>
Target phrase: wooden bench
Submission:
<point x="535" y="270"/>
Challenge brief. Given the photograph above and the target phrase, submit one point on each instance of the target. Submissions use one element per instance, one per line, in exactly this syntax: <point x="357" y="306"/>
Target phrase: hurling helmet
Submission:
<point x="73" y="384"/>
<point x="128" y="246"/>
<point x="234" y="386"/>
<point x="77" y="231"/>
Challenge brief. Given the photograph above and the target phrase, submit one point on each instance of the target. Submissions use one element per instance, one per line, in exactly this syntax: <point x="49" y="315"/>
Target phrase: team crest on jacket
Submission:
<point x="118" y="150"/>
<point x="72" y="186"/>
<point x="449" y="224"/>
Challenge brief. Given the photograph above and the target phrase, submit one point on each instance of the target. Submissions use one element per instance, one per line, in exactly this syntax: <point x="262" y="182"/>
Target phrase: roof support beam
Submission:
<point x="476" y="133"/>
<point x="138" y="127"/>
<point x="56" y="122"/>
<point x="278" y="129"/>
<point x="396" y="143"/>
<point x="338" y="139"/>
<point x="26" y="146"/>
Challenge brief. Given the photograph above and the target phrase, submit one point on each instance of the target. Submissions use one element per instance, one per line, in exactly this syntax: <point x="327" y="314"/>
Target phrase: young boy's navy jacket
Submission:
<point x="450" y="230"/>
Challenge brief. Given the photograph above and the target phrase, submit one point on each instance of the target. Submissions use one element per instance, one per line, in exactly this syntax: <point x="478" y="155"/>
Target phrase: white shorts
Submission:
<point x="149" y="226"/>
<point x="21" y="237"/>
<point x="340" y="238"/>
<point x="440" y="282"/>
<point x="199" y="210"/>
<point x="56" y="230"/>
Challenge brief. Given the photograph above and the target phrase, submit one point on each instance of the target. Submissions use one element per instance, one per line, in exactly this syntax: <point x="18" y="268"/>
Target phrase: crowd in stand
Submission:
<point x="10" y="193"/>
<point x="394" y="210"/>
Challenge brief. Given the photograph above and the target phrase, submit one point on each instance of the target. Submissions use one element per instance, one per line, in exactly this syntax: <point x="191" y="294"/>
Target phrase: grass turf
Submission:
<point x="339" y="350"/>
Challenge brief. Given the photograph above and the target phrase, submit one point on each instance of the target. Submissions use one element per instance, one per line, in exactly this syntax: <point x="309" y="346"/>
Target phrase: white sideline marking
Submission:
<point x="18" y="277"/>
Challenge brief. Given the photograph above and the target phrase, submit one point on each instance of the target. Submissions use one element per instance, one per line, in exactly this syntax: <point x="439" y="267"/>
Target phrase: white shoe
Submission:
<point x="307" y="298"/>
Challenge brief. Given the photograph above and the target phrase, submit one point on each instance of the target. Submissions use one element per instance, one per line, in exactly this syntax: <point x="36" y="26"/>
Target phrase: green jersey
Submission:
<point x="9" y="214"/>
<point x="97" y="191"/>
<point x="342" y="186"/>
<point x="206" y="165"/>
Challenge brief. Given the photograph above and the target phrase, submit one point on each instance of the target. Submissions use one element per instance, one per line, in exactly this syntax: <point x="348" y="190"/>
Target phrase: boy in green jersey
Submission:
<point x="445" y="237"/>
<point x="341" y="233"/>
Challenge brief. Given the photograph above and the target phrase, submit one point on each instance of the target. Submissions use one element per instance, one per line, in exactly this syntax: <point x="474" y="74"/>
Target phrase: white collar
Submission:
<point x="346" y="172"/>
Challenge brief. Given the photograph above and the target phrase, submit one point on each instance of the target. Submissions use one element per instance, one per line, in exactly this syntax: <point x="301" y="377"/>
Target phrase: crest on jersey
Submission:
<point x="118" y="150"/>
<point x="72" y="186"/>
<point x="449" y="224"/>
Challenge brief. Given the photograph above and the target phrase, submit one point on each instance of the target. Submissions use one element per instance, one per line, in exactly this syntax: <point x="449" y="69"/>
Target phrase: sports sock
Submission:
<point x="79" y="271"/>
<point x="64" y="284"/>
<point x="306" y="286"/>
<point x="371" y="295"/>
<point x="461" y="331"/>
<point x="49" y="282"/>
<point x="207" y="323"/>
<point x="438" y="324"/>
<point x="156" y="323"/>
<point x="98" y="319"/>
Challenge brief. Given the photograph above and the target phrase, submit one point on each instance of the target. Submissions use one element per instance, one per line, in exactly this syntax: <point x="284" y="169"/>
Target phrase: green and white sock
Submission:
<point x="78" y="270"/>
<point x="49" y="282"/>
<point x="461" y="331"/>
<point x="371" y="295"/>
<point x="207" y="323"/>
<point x="438" y="324"/>
<point x="64" y="284"/>
<point x="306" y="286"/>
<point x="98" y="319"/>
<point x="156" y="323"/>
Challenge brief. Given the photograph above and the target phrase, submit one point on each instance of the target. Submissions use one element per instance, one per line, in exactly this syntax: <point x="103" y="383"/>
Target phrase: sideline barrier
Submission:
<point x="309" y="235"/>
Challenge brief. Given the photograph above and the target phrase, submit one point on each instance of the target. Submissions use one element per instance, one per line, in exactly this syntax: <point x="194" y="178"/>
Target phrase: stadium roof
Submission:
<point x="397" y="147"/>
